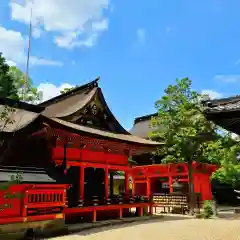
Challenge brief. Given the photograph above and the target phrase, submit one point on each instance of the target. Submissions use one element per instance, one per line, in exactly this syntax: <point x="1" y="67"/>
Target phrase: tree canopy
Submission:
<point x="12" y="84"/>
<point x="26" y="92"/>
<point x="7" y="86"/>
<point x="180" y="123"/>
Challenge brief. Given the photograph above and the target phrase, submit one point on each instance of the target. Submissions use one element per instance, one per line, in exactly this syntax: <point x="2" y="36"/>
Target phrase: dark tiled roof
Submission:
<point x="145" y="117"/>
<point x="21" y="105"/>
<point x="224" y="104"/>
<point x="28" y="174"/>
<point x="224" y="112"/>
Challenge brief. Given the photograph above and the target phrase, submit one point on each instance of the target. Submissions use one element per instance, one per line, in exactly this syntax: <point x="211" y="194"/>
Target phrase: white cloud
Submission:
<point x="36" y="32"/>
<point x="141" y="35"/>
<point x="11" y="63"/>
<point x="74" y="23"/>
<point x="227" y="78"/>
<point x="50" y="90"/>
<point x="211" y="93"/>
<point x="13" y="47"/>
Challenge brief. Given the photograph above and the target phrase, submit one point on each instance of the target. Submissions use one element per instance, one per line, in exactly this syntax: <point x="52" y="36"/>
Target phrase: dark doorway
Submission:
<point x="94" y="186"/>
<point x="73" y="176"/>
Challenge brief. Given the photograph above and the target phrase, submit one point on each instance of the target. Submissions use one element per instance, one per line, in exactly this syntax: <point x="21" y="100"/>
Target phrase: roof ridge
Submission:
<point x="222" y="101"/>
<point x="21" y="105"/>
<point x="144" y="118"/>
<point x="93" y="83"/>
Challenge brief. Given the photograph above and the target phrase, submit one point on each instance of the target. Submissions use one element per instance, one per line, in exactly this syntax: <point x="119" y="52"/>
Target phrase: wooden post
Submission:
<point x="65" y="157"/>
<point x="191" y="187"/>
<point x="106" y="183"/>
<point x="111" y="183"/>
<point x="82" y="182"/>
<point x="151" y="209"/>
<point x="133" y="187"/>
<point x="94" y="215"/>
<point x="25" y="202"/>
<point x="120" y="213"/>
<point x="126" y="183"/>
<point x="148" y="187"/>
<point x="170" y="184"/>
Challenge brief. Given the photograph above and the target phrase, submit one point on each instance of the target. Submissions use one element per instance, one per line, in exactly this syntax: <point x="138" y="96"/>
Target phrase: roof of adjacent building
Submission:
<point x="224" y="112"/>
<point x="28" y="174"/>
<point x="141" y="127"/>
<point x="17" y="119"/>
<point x="17" y="114"/>
<point x="223" y="104"/>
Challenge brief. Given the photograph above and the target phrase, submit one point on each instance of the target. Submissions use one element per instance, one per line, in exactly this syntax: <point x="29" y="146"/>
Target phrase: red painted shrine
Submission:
<point x="74" y="141"/>
<point x="160" y="178"/>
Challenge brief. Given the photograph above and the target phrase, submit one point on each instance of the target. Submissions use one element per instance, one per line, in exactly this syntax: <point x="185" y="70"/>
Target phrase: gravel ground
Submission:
<point x="169" y="228"/>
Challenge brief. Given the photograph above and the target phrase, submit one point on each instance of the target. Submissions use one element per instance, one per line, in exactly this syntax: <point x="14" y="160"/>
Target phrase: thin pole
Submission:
<point x="28" y="57"/>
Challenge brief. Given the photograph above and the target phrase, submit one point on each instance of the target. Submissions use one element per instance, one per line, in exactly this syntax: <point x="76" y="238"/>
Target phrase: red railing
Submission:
<point x="44" y="199"/>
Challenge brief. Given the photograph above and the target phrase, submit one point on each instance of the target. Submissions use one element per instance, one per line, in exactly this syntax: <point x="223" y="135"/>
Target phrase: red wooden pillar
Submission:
<point x="120" y="213"/>
<point x="94" y="215"/>
<point x="106" y="183"/>
<point x="170" y="180"/>
<point x="126" y="183"/>
<point x="82" y="182"/>
<point x="148" y="187"/>
<point x="210" y="188"/>
<point x="133" y="187"/>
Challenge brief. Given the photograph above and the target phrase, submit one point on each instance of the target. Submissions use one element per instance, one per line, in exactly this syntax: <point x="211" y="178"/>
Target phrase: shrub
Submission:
<point x="207" y="209"/>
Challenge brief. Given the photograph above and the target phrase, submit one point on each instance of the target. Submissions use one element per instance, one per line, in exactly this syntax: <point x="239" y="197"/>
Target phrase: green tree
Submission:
<point x="180" y="123"/>
<point x="7" y="86"/>
<point x="8" y="89"/>
<point x="228" y="155"/>
<point x="26" y="92"/>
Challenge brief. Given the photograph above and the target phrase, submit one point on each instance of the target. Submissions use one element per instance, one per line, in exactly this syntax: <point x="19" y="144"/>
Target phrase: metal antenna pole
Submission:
<point x="28" y="57"/>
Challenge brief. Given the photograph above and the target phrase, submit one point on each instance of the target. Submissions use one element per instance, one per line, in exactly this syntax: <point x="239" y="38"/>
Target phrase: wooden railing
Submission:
<point x="44" y="199"/>
<point x="95" y="201"/>
<point x="46" y="196"/>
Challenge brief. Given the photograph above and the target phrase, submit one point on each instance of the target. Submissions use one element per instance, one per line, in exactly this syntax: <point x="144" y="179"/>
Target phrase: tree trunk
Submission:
<point x="191" y="188"/>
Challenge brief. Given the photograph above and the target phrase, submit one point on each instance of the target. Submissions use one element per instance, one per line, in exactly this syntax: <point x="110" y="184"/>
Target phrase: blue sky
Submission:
<point x="137" y="48"/>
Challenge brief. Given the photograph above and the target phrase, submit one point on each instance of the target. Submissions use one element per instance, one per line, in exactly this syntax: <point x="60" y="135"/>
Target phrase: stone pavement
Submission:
<point x="167" y="228"/>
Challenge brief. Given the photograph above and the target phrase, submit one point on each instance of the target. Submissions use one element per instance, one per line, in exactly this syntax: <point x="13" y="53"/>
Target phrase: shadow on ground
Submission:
<point x="124" y="225"/>
<point x="229" y="215"/>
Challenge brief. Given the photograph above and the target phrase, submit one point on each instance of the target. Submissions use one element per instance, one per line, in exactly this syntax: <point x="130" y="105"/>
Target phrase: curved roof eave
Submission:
<point x="69" y="93"/>
<point x="101" y="133"/>
<point x="121" y="128"/>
